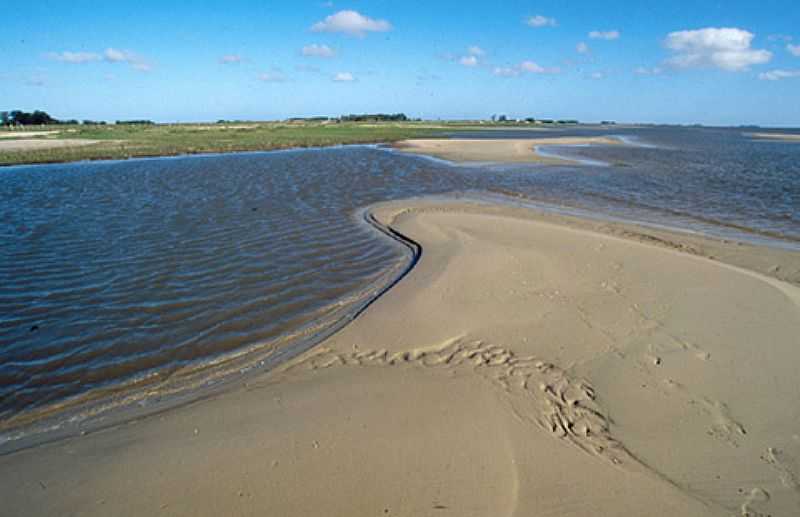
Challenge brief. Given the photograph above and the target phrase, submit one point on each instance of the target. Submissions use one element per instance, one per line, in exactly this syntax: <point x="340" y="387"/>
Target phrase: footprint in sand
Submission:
<point x="549" y="398"/>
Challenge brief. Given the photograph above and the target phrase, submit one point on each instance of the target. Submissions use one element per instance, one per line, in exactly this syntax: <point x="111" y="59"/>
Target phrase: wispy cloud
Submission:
<point x="74" y="57"/>
<point x="344" y="77"/>
<point x="539" y="21"/>
<point x="352" y="23"/>
<point x="526" y="67"/>
<point x="473" y="57"/>
<point x="606" y="35"/>
<point x="597" y="75"/>
<point x="316" y="50"/>
<point x="506" y="71"/>
<point x="231" y="59"/>
<point x="724" y="48"/>
<point x="643" y="70"/>
<point x="136" y="62"/>
<point x="111" y="55"/>
<point x="582" y="48"/>
<point x="777" y="75"/>
<point x="793" y="49"/>
<point x="779" y="37"/>
<point x="275" y="75"/>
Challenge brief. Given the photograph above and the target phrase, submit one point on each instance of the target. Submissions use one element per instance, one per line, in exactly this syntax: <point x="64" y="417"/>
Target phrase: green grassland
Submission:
<point x="129" y="141"/>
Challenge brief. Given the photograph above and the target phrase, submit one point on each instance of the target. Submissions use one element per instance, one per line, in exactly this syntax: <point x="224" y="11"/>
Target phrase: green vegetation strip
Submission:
<point x="131" y="140"/>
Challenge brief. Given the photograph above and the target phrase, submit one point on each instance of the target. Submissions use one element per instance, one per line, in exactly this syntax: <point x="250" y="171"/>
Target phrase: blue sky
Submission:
<point x="732" y="62"/>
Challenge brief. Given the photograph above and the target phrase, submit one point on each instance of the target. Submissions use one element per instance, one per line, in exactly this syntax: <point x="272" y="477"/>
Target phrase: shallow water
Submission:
<point x="111" y="272"/>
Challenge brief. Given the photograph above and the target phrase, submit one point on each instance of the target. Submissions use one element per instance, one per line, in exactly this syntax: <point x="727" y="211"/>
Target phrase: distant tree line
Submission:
<point x="376" y="117"/>
<point x="532" y="120"/>
<point x="23" y="118"/>
<point x="37" y="118"/>
<point x="135" y="122"/>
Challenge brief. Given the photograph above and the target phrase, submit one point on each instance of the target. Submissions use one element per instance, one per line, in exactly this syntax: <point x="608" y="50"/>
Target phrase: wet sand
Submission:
<point x="496" y="150"/>
<point x="528" y="365"/>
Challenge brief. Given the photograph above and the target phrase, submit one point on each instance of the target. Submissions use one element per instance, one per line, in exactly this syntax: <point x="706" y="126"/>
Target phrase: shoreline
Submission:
<point x="116" y="405"/>
<point x="586" y="311"/>
<point x="108" y="407"/>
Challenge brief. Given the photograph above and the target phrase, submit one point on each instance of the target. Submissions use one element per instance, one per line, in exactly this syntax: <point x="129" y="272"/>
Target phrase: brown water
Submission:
<point x="121" y="277"/>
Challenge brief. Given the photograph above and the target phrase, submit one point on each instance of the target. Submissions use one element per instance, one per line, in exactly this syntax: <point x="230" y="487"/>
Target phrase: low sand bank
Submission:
<point x="496" y="150"/>
<point x="528" y="365"/>
<point x="26" y="134"/>
<point x="787" y="137"/>
<point x="35" y="144"/>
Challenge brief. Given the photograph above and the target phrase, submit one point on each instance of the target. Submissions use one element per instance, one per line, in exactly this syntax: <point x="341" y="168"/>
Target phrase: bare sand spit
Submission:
<point x="26" y="134"/>
<point x="33" y="144"/>
<point x="496" y="150"/>
<point x="522" y="368"/>
<point x="787" y="137"/>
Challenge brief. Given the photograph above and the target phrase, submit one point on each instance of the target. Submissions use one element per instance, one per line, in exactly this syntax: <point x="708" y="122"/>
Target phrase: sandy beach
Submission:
<point x="506" y="150"/>
<point x="528" y="365"/>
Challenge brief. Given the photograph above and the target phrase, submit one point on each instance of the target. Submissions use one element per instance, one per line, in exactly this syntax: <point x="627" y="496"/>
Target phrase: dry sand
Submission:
<point x="526" y="366"/>
<point x="34" y="144"/>
<point x="506" y="150"/>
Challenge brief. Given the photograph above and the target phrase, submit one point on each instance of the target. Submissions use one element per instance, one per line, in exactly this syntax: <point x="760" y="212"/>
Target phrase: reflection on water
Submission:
<point x="115" y="271"/>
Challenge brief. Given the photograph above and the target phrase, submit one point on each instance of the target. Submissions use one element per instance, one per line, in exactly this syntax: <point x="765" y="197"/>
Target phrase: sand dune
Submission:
<point x="526" y="366"/>
<point x="498" y="150"/>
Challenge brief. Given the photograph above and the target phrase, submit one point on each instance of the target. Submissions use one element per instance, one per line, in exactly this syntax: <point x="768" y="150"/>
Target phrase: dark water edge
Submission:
<point x="93" y="412"/>
<point x="321" y="262"/>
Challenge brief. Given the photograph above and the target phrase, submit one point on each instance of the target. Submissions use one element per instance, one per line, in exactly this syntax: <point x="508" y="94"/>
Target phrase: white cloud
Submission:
<point x="541" y="21"/>
<point x="506" y="71"/>
<point x="643" y="70"/>
<point x="473" y="57"/>
<point x="777" y="75"/>
<point x="469" y="61"/>
<point x="136" y="62"/>
<point x="606" y="35"/>
<point x="344" y="77"/>
<point x="727" y="48"/>
<point x="115" y="56"/>
<point x="352" y="23"/>
<point x="74" y="57"/>
<point x="526" y="67"/>
<point x="110" y="55"/>
<point x="230" y="59"/>
<point x="582" y="48"/>
<point x="315" y="50"/>
<point x="530" y="66"/>
<point x="597" y="75"/>
<point x="273" y="76"/>
<point x="793" y="49"/>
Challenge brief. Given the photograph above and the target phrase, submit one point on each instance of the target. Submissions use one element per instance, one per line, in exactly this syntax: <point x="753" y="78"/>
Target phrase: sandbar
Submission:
<point x="528" y="365"/>
<point x="497" y="150"/>
<point x="786" y="137"/>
